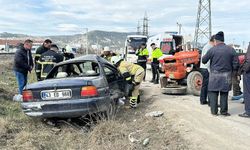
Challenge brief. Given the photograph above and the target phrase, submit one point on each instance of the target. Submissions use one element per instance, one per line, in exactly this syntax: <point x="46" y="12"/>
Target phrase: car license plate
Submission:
<point x="56" y="94"/>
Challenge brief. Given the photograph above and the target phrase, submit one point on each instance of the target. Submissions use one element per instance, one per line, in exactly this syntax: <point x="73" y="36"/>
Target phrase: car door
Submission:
<point x="115" y="80"/>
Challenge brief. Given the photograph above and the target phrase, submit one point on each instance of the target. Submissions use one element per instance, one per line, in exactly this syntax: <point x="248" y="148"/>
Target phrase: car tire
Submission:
<point x="194" y="83"/>
<point x="174" y="90"/>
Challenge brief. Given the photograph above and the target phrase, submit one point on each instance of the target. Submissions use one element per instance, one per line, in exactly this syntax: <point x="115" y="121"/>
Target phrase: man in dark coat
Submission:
<point x="246" y="84"/>
<point x="48" y="60"/>
<point x="40" y="50"/>
<point x="23" y="63"/>
<point x="222" y="63"/>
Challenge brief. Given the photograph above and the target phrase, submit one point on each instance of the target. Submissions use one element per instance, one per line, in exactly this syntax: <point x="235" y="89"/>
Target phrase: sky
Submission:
<point x="59" y="17"/>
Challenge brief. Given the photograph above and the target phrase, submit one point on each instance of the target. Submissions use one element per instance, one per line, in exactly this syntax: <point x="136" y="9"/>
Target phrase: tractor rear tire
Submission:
<point x="194" y="83"/>
<point x="175" y="90"/>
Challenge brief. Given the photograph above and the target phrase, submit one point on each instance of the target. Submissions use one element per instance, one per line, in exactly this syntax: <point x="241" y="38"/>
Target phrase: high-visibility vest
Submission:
<point x="142" y="55"/>
<point x="156" y="54"/>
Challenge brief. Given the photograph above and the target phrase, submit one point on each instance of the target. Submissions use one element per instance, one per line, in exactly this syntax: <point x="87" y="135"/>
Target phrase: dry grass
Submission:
<point x="18" y="131"/>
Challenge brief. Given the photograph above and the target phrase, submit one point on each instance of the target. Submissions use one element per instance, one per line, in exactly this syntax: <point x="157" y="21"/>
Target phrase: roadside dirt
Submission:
<point x="198" y="126"/>
<point x="18" y="131"/>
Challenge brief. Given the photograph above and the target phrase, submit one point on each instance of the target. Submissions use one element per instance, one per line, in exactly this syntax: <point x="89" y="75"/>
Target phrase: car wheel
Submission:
<point x="194" y="83"/>
<point x="174" y="90"/>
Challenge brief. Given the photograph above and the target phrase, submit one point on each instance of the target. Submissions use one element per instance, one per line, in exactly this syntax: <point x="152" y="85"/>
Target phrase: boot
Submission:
<point x="152" y="81"/>
<point x="156" y="82"/>
<point x="133" y="102"/>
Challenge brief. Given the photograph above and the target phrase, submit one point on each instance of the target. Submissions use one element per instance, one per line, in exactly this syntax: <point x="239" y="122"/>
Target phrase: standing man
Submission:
<point x="222" y="62"/>
<point x="156" y="54"/>
<point x="48" y="60"/>
<point x="40" y="50"/>
<point x="23" y="63"/>
<point x="246" y="84"/>
<point x="133" y="74"/>
<point x="204" y="68"/>
<point x="142" y="54"/>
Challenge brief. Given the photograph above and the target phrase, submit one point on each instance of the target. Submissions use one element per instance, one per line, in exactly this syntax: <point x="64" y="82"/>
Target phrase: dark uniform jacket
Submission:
<point x="23" y="61"/>
<point x="47" y="62"/>
<point x="223" y="61"/>
<point x="40" y="50"/>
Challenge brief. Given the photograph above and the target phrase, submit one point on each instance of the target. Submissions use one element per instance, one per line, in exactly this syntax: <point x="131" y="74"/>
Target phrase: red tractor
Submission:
<point x="182" y="73"/>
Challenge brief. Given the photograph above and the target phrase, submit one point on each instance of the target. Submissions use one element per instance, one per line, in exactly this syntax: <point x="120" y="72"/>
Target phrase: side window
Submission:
<point x="89" y="68"/>
<point x="111" y="75"/>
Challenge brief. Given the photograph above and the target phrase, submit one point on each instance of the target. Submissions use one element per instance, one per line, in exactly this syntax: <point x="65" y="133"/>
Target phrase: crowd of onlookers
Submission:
<point x="222" y="67"/>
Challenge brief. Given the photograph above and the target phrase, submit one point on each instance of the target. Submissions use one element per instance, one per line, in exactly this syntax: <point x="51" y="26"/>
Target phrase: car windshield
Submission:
<point x="134" y="43"/>
<point x="79" y="69"/>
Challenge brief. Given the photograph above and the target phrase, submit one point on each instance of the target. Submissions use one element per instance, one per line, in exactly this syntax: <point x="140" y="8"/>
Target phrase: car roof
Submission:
<point x="90" y="57"/>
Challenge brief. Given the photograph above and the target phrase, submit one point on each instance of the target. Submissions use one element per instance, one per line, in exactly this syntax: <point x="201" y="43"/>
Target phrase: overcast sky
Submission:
<point x="56" y="17"/>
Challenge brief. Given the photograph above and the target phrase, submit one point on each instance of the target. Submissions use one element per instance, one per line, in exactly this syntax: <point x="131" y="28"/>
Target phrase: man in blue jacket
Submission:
<point x="223" y="61"/>
<point x="23" y="63"/>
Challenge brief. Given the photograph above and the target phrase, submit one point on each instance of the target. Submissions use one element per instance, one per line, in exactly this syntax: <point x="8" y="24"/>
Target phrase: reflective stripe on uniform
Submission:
<point x="129" y="78"/>
<point x="37" y="55"/>
<point x="43" y="75"/>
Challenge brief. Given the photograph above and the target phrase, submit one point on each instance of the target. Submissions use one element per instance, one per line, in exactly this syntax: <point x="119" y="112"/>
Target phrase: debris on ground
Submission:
<point x="154" y="114"/>
<point x="145" y="142"/>
<point x="131" y="137"/>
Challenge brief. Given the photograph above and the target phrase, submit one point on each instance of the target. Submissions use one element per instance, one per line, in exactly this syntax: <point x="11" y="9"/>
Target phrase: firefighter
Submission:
<point x="156" y="54"/>
<point x="107" y="54"/>
<point x="48" y="60"/>
<point x="40" y="50"/>
<point x="133" y="74"/>
<point x="142" y="54"/>
<point x="68" y="53"/>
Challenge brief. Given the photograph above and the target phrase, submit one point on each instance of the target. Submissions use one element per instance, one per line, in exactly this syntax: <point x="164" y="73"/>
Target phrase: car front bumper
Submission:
<point x="65" y="108"/>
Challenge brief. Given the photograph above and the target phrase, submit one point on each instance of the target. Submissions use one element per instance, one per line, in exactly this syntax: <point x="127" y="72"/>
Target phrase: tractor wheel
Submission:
<point x="163" y="81"/>
<point x="194" y="83"/>
<point x="174" y="90"/>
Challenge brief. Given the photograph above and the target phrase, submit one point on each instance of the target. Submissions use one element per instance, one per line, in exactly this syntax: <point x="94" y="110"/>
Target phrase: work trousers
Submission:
<point x="155" y="71"/>
<point x="236" y="84"/>
<point x="213" y="97"/>
<point x="144" y="66"/>
<point x="135" y="93"/>
<point x="246" y="92"/>
<point x="204" y="88"/>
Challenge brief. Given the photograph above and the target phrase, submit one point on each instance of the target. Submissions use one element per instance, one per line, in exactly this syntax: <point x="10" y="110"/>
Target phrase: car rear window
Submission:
<point x="79" y="69"/>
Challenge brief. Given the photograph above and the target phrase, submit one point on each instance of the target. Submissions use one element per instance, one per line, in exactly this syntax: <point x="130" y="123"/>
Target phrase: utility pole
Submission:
<point x="138" y="28"/>
<point x="179" y="27"/>
<point x="203" y="29"/>
<point x="145" y="25"/>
